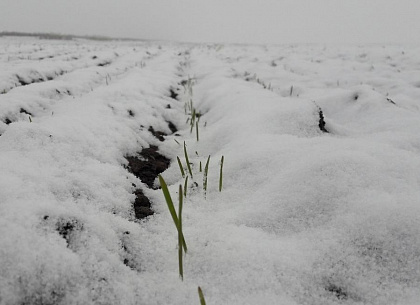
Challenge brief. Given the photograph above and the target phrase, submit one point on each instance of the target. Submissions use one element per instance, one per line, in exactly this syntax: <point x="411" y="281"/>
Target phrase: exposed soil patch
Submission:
<point x="104" y="64"/>
<point x="148" y="165"/>
<point x="172" y="127"/>
<point x="131" y="113"/>
<point x="142" y="205"/>
<point x="339" y="292"/>
<point x="391" y="101"/>
<point x="161" y="135"/>
<point x="22" y="110"/>
<point x="321" y="123"/>
<point x="67" y="227"/>
<point x="173" y="94"/>
<point x="157" y="134"/>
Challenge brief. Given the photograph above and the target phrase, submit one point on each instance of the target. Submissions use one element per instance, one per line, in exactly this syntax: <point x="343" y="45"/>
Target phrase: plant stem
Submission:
<point x="180" y="236"/>
<point x="180" y="167"/>
<point x="201" y="296"/>
<point x="221" y="174"/>
<point x="185" y="186"/>
<point x="206" y="171"/>
<point x="172" y="209"/>
<point x="187" y="160"/>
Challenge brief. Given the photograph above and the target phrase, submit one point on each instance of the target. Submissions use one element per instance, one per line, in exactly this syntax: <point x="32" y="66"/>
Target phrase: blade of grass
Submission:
<point x="192" y="120"/>
<point x="206" y="171"/>
<point x="180" y="167"/>
<point x="171" y="208"/>
<point x="196" y="130"/>
<point x="201" y="296"/>
<point x="180" y="236"/>
<point x="221" y="174"/>
<point x="185" y="186"/>
<point x="187" y="160"/>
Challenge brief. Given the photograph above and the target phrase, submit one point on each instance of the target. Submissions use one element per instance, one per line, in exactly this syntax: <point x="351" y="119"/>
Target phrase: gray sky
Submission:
<point x="252" y="21"/>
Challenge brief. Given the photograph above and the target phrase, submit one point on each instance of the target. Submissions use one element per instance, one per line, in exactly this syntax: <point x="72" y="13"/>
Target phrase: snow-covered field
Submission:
<point x="306" y="216"/>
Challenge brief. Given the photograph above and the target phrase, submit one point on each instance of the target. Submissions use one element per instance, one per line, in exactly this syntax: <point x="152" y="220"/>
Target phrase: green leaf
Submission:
<point x="221" y="174"/>
<point x="187" y="160"/>
<point x="206" y="171"/>
<point x="180" y="236"/>
<point x="185" y="186"/>
<point x="180" y="167"/>
<point x="201" y="296"/>
<point x="171" y="208"/>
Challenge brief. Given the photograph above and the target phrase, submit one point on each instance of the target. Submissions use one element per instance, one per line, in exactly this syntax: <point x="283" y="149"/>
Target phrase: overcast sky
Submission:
<point x="251" y="21"/>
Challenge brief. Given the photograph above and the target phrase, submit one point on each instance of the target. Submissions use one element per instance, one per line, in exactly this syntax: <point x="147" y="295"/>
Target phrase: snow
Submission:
<point x="304" y="217"/>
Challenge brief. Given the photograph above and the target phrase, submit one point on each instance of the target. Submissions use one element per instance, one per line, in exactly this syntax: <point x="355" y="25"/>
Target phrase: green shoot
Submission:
<point x="171" y="208"/>
<point x="180" y="236"/>
<point x="206" y="171"/>
<point x="221" y="174"/>
<point x="187" y="160"/>
<point x="201" y="296"/>
<point x="201" y="169"/>
<point x="196" y="130"/>
<point x="185" y="186"/>
<point x="30" y="119"/>
<point x="180" y="167"/>
<point x="177" y="142"/>
<point x="291" y="90"/>
<point x="192" y="120"/>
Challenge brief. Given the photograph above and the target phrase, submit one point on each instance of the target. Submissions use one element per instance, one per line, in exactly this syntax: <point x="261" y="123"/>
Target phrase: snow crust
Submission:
<point x="304" y="217"/>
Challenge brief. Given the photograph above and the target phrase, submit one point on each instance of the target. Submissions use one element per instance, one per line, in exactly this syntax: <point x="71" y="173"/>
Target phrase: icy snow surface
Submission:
<point x="304" y="217"/>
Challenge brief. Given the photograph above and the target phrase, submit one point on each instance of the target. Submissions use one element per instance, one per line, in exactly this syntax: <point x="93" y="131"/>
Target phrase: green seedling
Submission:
<point x="30" y="119"/>
<point x="187" y="160"/>
<point x="180" y="167"/>
<point x="171" y="208"/>
<point x="206" y="171"/>
<point x="201" y="296"/>
<point x="185" y="186"/>
<point x="180" y="236"/>
<point x="192" y="120"/>
<point x="177" y="142"/>
<point x="221" y="173"/>
<point x="196" y="130"/>
<point x="291" y="90"/>
<point x="201" y="169"/>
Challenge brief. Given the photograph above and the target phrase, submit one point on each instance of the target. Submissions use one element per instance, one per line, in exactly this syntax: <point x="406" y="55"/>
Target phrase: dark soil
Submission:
<point x="161" y="135"/>
<point x="173" y="94"/>
<point x="339" y="292"/>
<point x="104" y="64"/>
<point x="321" y="124"/>
<point x="391" y="101"/>
<point x="66" y="228"/>
<point x="142" y="205"/>
<point x="22" y="110"/>
<point x="172" y="127"/>
<point x="157" y="134"/>
<point x="148" y="165"/>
